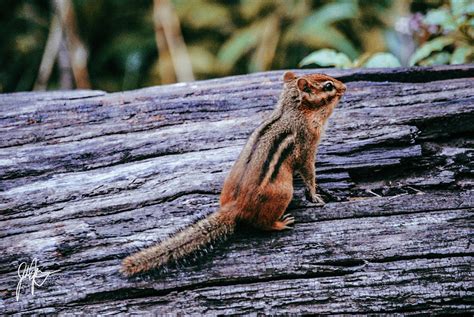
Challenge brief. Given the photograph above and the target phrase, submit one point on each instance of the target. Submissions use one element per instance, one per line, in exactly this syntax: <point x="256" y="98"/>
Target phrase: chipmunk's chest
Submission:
<point x="306" y="141"/>
<point x="313" y="128"/>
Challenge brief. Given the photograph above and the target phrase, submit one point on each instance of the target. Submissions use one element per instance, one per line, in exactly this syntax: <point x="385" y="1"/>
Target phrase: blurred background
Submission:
<point x="116" y="45"/>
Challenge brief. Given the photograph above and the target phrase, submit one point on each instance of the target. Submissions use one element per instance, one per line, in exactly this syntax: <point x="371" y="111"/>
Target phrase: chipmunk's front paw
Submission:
<point x="314" y="198"/>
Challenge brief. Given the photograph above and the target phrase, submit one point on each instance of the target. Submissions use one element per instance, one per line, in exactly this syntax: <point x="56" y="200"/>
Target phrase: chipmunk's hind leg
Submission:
<point x="268" y="211"/>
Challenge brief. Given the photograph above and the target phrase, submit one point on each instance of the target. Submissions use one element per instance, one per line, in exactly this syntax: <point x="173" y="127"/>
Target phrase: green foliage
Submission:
<point x="331" y="58"/>
<point x="281" y="27"/>
<point x="429" y="48"/>
<point x="382" y="60"/>
<point x="231" y="37"/>
<point x="451" y="42"/>
<point x="121" y="43"/>
<point x="318" y="28"/>
<point x="327" y="58"/>
<point x="202" y="14"/>
<point x="241" y="42"/>
<point x="454" y="35"/>
<point x="24" y="27"/>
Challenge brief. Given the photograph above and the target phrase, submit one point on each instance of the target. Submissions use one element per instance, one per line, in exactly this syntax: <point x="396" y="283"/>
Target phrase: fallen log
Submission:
<point x="87" y="177"/>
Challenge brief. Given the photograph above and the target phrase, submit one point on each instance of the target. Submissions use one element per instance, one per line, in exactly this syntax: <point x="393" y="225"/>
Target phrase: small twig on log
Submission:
<point x="371" y="192"/>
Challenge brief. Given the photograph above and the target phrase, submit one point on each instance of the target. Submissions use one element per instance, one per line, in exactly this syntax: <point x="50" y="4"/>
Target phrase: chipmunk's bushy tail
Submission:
<point x="216" y="226"/>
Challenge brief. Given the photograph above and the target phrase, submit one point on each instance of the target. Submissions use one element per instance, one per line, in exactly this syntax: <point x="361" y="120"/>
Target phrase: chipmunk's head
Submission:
<point x="316" y="91"/>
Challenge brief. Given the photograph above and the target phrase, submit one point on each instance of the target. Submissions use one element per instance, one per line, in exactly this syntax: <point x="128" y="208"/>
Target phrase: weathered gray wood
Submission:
<point x="87" y="177"/>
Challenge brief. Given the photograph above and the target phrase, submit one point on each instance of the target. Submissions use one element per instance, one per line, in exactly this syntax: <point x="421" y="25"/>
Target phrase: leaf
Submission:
<point x="442" y="18"/>
<point x="361" y="60"/>
<point x="333" y="12"/>
<point x="327" y="57"/>
<point x="429" y="47"/>
<point x="382" y="60"/>
<point x="201" y="14"/>
<point x="294" y="9"/>
<point x="203" y="61"/>
<point x="441" y="58"/>
<point x="316" y="30"/>
<point x="239" y="44"/>
<point x="251" y="9"/>
<point x="263" y="57"/>
<point x="460" y="7"/>
<point x="326" y="36"/>
<point x="330" y="36"/>
<point x="461" y="55"/>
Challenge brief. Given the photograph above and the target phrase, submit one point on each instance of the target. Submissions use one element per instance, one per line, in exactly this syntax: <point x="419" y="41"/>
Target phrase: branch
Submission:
<point x="49" y="55"/>
<point x="77" y="51"/>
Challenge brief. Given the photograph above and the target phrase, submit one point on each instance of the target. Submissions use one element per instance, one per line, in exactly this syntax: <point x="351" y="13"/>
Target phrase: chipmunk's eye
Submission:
<point x="328" y="87"/>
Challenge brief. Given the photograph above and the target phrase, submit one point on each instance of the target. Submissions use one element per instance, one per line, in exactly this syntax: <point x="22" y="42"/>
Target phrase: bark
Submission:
<point x="87" y="177"/>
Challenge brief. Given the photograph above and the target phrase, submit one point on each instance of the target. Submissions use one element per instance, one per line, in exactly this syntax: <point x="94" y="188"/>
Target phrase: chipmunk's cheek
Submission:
<point x="318" y="101"/>
<point x="315" y="101"/>
<point x="326" y="99"/>
<point x="311" y="99"/>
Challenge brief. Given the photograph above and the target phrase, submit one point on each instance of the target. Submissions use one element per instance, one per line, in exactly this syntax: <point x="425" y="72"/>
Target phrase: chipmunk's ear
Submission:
<point x="303" y="85"/>
<point x="288" y="76"/>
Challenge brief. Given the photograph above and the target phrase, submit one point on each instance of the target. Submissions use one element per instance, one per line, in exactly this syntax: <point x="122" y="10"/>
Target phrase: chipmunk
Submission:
<point x="259" y="187"/>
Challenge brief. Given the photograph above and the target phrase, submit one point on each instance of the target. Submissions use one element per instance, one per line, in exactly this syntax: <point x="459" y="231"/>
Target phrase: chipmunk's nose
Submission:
<point x="343" y="88"/>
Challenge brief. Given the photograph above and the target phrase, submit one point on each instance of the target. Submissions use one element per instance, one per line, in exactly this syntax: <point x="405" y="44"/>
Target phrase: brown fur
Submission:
<point x="260" y="185"/>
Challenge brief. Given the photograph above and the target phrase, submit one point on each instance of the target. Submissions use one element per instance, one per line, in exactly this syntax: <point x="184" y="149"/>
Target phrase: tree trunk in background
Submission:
<point x="50" y="53"/>
<point x="165" y="64"/>
<point x="66" y="77"/>
<point x="77" y="51"/>
<point x="170" y="42"/>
